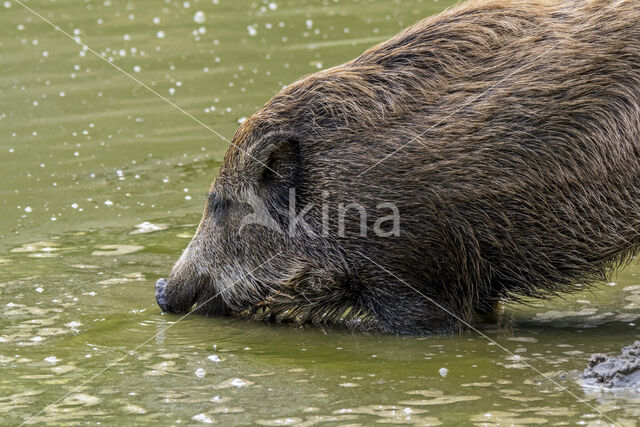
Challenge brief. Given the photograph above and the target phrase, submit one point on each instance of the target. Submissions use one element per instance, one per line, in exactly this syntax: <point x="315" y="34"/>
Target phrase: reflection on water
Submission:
<point x="103" y="184"/>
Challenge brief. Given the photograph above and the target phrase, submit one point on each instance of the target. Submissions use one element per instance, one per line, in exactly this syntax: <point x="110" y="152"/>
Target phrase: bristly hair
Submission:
<point x="506" y="133"/>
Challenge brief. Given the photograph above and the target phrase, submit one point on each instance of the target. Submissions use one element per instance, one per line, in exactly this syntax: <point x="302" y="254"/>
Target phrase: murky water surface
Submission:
<point x="102" y="186"/>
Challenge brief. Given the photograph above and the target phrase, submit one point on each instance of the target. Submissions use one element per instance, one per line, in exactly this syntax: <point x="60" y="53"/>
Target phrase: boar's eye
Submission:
<point x="216" y="204"/>
<point x="283" y="163"/>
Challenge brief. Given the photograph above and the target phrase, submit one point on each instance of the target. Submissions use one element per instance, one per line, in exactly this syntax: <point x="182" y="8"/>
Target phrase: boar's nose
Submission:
<point x="160" y="295"/>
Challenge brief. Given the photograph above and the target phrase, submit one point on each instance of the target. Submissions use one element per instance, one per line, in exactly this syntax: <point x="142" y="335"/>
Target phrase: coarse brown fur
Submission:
<point x="509" y="139"/>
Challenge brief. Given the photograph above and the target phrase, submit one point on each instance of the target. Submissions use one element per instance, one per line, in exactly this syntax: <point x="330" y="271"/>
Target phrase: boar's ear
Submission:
<point x="283" y="161"/>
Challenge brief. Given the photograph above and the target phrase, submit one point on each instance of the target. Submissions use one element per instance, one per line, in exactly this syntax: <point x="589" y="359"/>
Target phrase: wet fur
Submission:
<point x="522" y="177"/>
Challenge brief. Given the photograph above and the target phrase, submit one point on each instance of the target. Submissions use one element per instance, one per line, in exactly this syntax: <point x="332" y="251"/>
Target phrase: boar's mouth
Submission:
<point x="209" y="305"/>
<point x="199" y="297"/>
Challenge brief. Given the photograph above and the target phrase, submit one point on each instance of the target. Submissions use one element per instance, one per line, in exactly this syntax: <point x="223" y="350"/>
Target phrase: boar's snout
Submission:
<point x="161" y="297"/>
<point x="175" y="297"/>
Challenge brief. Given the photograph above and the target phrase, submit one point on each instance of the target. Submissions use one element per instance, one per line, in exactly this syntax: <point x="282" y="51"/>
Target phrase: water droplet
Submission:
<point x="199" y="17"/>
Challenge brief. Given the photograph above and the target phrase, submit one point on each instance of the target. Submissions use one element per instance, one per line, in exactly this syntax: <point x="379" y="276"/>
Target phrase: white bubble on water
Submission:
<point x="136" y="68"/>
<point x="62" y="93"/>
<point x="73" y="325"/>
<point x="214" y="358"/>
<point x="308" y="23"/>
<point x="252" y="31"/>
<point x="443" y="372"/>
<point x="7" y="4"/>
<point x="52" y="359"/>
<point x="28" y="209"/>
<point x="160" y="34"/>
<point x="199" y="17"/>
<point x="200" y="373"/>
<point x="126" y="37"/>
<point x="273" y="5"/>
<point x="156" y="20"/>
<point x="148" y="227"/>
<point x="203" y="418"/>
<point x="39" y="289"/>
<point x="108" y="203"/>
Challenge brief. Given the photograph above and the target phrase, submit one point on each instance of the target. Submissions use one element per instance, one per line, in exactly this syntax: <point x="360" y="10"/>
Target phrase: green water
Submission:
<point x="87" y="154"/>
